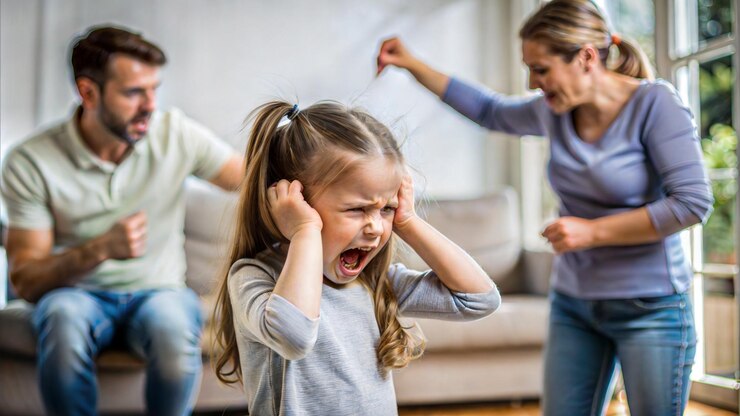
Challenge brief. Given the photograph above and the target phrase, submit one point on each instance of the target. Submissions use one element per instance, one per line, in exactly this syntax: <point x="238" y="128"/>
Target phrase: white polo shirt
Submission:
<point x="53" y="181"/>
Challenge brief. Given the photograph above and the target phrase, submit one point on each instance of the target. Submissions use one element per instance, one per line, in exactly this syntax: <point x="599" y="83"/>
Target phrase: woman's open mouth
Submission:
<point x="353" y="260"/>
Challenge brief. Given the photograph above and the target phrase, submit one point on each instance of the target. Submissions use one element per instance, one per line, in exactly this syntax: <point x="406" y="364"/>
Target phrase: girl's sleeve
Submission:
<point x="265" y="317"/>
<point x="512" y="115"/>
<point x="673" y="146"/>
<point x="423" y="295"/>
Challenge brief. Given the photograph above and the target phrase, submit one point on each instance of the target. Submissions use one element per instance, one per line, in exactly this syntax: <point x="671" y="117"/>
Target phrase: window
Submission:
<point x="698" y="50"/>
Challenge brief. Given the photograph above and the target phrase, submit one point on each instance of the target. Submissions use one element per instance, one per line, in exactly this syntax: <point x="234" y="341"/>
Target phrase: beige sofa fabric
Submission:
<point x="487" y="228"/>
<point x="500" y="356"/>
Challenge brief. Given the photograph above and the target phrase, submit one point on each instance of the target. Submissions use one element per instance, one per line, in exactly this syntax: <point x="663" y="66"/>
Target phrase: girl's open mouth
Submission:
<point x="352" y="261"/>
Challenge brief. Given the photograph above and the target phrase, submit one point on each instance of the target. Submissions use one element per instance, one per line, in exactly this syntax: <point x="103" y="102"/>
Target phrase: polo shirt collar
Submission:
<point x="83" y="157"/>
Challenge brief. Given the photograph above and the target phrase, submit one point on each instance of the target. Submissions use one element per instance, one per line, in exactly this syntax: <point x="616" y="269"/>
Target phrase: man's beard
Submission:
<point x="118" y="127"/>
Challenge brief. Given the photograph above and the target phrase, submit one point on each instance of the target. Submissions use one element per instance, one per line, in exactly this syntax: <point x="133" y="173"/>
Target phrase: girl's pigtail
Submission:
<point x="254" y="229"/>
<point x="263" y="158"/>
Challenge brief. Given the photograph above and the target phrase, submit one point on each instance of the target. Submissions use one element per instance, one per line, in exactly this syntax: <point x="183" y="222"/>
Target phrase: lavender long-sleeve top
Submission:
<point x="648" y="157"/>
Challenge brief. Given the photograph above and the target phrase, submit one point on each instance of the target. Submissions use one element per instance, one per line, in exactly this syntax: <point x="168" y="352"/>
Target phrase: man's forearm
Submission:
<point x="33" y="278"/>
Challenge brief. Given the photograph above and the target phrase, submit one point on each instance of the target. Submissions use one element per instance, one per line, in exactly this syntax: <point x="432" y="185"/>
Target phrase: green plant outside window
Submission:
<point x="719" y="143"/>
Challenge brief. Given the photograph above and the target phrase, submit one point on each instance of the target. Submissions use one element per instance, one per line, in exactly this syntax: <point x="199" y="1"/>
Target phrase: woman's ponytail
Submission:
<point x="631" y="60"/>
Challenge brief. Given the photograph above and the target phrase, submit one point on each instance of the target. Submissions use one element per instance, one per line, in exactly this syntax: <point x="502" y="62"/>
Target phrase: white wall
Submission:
<point x="18" y="54"/>
<point x="227" y="56"/>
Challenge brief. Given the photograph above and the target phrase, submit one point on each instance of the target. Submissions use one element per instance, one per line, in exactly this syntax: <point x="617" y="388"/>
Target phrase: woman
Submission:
<point x="626" y="164"/>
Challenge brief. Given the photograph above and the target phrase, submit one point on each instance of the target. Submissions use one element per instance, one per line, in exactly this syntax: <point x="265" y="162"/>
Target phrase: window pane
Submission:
<point x="716" y="80"/>
<point x="719" y="141"/>
<point x="715" y="18"/>
<point x="719" y="231"/>
<point x="634" y="19"/>
<point x="720" y="327"/>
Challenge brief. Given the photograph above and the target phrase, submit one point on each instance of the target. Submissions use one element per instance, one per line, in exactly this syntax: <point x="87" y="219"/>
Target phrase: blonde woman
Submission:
<point x="626" y="164"/>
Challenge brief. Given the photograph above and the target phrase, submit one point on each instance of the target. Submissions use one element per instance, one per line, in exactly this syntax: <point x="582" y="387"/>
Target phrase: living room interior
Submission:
<point x="487" y="191"/>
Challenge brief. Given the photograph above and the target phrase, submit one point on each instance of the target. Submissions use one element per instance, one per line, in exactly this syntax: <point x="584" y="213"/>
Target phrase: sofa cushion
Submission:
<point x="520" y="321"/>
<point x="209" y="218"/>
<point x="15" y="319"/>
<point x="486" y="227"/>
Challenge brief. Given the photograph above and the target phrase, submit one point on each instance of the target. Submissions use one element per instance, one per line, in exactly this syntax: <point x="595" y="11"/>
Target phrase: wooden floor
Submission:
<point x="507" y="409"/>
<point x="533" y="409"/>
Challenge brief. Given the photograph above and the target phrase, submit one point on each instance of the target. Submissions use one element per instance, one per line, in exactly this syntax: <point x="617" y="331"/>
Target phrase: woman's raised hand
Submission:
<point x="289" y="209"/>
<point x="393" y="52"/>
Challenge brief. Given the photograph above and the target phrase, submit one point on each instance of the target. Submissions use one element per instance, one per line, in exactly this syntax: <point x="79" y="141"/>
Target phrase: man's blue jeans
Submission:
<point x="653" y="339"/>
<point x="161" y="326"/>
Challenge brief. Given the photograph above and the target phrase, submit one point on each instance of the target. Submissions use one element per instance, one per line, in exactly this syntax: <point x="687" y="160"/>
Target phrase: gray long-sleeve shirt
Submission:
<point x="294" y="365"/>
<point x="648" y="157"/>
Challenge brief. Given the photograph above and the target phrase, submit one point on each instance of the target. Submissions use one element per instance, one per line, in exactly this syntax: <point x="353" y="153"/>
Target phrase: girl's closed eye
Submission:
<point x="389" y="209"/>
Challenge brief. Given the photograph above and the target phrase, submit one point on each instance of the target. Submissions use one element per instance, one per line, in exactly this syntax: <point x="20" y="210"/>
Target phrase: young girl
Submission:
<point x="309" y="308"/>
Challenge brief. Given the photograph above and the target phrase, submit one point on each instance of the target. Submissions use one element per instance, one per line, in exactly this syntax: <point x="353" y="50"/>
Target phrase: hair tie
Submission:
<point x="293" y="112"/>
<point x="616" y="40"/>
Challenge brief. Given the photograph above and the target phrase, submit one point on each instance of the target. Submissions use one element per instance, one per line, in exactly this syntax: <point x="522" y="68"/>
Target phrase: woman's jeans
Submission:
<point x="653" y="340"/>
<point x="161" y="326"/>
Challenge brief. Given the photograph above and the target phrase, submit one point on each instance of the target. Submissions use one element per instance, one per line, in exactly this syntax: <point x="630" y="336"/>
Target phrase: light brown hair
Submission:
<point x="316" y="147"/>
<point x="566" y="26"/>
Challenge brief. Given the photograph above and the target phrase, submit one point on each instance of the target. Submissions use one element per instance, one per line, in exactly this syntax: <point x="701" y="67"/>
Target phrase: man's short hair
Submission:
<point x="92" y="51"/>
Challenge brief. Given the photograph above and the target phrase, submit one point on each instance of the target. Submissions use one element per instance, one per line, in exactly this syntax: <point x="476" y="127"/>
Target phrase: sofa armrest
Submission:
<point x="536" y="266"/>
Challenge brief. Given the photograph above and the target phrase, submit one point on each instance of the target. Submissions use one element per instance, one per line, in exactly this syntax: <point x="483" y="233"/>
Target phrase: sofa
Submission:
<point x="499" y="357"/>
<point x="496" y="358"/>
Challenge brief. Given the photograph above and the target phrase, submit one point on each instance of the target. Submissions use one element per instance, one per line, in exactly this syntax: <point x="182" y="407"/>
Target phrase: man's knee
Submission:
<point x="175" y="351"/>
<point x="172" y="324"/>
<point x="64" y="328"/>
<point x="173" y="314"/>
<point x="63" y="310"/>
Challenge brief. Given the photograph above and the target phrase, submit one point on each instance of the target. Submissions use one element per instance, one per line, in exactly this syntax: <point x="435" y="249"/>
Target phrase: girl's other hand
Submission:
<point x="289" y="209"/>
<point x="570" y="234"/>
<point x="405" y="211"/>
<point x="393" y="52"/>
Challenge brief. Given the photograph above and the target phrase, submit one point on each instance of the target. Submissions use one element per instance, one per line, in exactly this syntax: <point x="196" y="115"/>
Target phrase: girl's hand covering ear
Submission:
<point x="289" y="209"/>
<point x="405" y="211"/>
